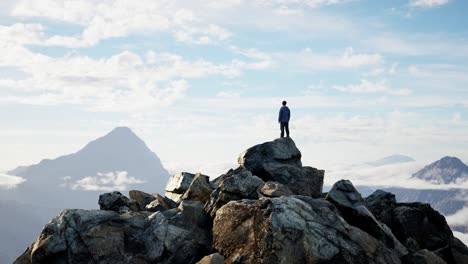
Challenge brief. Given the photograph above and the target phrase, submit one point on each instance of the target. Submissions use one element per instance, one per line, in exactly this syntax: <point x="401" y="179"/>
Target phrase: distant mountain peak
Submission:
<point x="393" y="159"/>
<point x="444" y="171"/>
<point x="120" y="150"/>
<point x="121" y="130"/>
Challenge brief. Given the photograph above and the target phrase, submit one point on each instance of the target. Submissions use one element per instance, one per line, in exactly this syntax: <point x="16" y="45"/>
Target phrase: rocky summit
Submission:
<point x="270" y="209"/>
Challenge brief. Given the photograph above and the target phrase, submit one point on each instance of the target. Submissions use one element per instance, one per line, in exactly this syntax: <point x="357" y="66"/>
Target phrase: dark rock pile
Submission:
<point x="269" y="210"/>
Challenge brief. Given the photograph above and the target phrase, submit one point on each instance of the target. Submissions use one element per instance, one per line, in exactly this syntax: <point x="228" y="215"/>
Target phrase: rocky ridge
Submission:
<point x="270" y="209"/>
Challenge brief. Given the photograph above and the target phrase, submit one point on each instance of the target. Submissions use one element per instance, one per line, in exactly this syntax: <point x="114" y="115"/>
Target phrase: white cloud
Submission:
<point x="351" y="59"/>
<point x="366" y="86"/>
<point x="428" y="3"/>
<point x="119" y="18"/>
<point x="124" y="82"/>
<point x="10" y="182"/>
<point x="462" y="236"/>
<point x="118" y="180"/>
<point x="308" y="3"/>
<point x="434" y="44"/>
<point x="348" y="59"/>
<point x="459" y="218"/>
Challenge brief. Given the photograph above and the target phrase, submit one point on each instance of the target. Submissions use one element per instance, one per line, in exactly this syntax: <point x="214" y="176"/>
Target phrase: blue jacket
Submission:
<point x="284" y="114"/>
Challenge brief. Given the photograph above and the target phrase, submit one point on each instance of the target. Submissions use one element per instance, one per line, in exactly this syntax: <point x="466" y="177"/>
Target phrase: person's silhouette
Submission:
<point x="283" y="119"/>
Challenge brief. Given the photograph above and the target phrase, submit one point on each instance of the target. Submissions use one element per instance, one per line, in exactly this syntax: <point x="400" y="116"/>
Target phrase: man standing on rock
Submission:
<point x="283" y="119"/>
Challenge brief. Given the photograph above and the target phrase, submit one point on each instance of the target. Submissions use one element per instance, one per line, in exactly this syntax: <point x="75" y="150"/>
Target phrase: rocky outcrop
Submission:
<point x="280" y="161"/>
<point x="237" y="184"/>
<point x="418" y="226"/>
<point x="352" y="207"/>
<point x="178" y="185"/>
<point x="306" y="181"/>
<point x="292" y="230"/>
<point x="92" y="236"/>
<point x="214" y="258"/>
<point x="115" y="201"/>
<point x="160" y="204"/>
<point x="141" y="198"/>
<point x="199" y="189"/>
<point x="270" y="209"/>
<point x="275" y="189"/>
<point x="280" y="151"/>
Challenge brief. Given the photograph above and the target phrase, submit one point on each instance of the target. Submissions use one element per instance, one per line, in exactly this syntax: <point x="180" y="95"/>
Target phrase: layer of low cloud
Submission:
<point x="10" y="182"/>
<point x="462" y="236"/>
<point x="459" y="218"/>
<point x="110" y="181"/>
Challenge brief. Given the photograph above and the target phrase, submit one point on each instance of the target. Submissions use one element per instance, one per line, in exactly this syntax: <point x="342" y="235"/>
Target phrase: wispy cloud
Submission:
<point x="10" y="182"/>
<point x="110" y="181"/>
<point x="318" y="61"/>
<point x="428" y="3"/>
<point x="459" y="218"/>
<point x="98" y="84"/>
<point x="366" y="86"/>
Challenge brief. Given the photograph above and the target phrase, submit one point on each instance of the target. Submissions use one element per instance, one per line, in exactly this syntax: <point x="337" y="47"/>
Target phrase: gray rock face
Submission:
<point x="280" y="161"/>
<point x="353" y="209"/>
<point x="292" y="230"/>
<point x="280" y="151"/>
<point x="237" y="184"/>
<point x="178" y="184"/>
<point x="423" y="256"/>
<point x="141" y="198"/>
<point x="214" y="258"/>
<point x="160" y="204"/>
<point x="418" y="226"/>
<point x="306" y="181"/>
<point x="199" y="189"/>
<point x="91" y="236"/>
<point x="115" y="201"/>
<point x="275" y="189"/>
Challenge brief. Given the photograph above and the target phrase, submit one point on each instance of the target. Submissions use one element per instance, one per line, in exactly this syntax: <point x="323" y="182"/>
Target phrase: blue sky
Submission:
<point x="200" y="81"/>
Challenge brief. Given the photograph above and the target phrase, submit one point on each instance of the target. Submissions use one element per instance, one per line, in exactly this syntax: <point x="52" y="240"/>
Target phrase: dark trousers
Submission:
<point x="283" y="126"/>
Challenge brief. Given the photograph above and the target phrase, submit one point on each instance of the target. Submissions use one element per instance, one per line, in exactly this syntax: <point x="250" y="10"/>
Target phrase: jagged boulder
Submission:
<point x="178" y="185"/>
<point x="115" y="201"/>
<point x="236" y="185"/>
<point x="160" y="204"/>
<point x="280" y="161"/>
<point x="306" y="181"/>
<point x="98" y="236"/>
<point x="280" y="151"/>
<point x="295" y="229"/>
<point x="352" y="207"/>
<point x="199" y="189"/>
<point x="141" y="198"/>
<point x="214" y="258"/>
<point x="418" y="226"/>
<point x="379" y="203"/>
<point x="275" y="189"/>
